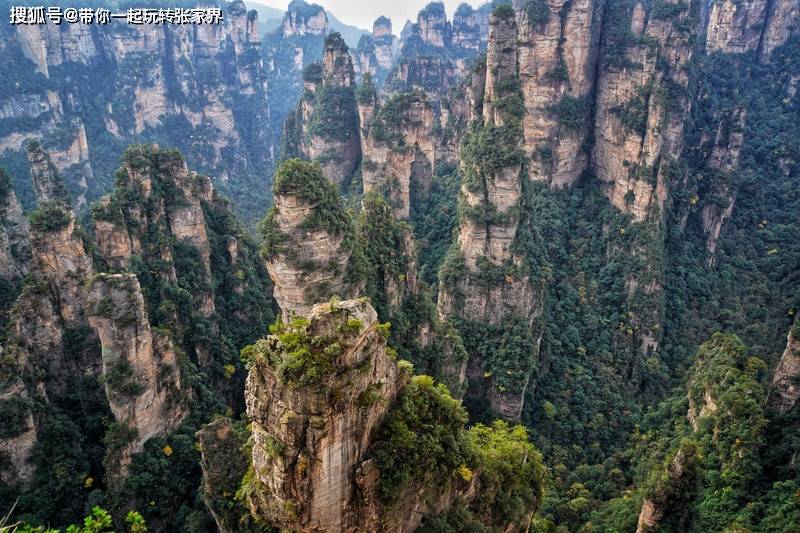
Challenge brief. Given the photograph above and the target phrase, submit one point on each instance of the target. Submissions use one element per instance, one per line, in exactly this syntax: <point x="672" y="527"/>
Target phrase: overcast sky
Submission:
<point x="362" y="13"/>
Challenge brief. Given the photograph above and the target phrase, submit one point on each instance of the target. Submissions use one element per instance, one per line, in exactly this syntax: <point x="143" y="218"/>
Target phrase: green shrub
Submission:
<point x="51" y="216"/>
<point x="536" y="11"/>
<point x="422" y="438"/>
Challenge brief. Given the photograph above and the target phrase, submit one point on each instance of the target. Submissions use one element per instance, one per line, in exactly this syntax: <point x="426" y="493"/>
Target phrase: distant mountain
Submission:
<point x="270" y="18"/>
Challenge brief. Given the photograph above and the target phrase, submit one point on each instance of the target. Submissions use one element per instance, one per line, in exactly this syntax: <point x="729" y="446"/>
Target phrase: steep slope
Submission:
<point x="90" y="90"/>
<point x="333" y="414"/>
<point x="488" y="288"/>
<point x="115" y="363"/>
<point x="324" y="128"/>
<point x="699" y="468"/>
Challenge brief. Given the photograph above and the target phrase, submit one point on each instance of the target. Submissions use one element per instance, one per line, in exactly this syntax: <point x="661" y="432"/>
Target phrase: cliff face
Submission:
<point x="47" y="182"/>
<point x="50" y="306"/>
<point x="735" y="27"/>
<point x="14" y="246"/>
<point x="309" y="240"/>
<point x="558" y="46"/>
<point x="128" y="83"/>
<point x="435" y="54"/>
<point x="323" y="426"/>
<point x="780" y="25"/>
<point x="140" y="368"/>
<point x="678" y="477"/>
<point x="325" y="126"/>
<point x="72" y="327"/>
<point x="484" y="279"/>
<point x="375" y="54"/>
<point x="727" y="146"/>
<point x="305" y="448"/>
<point x="169" y="201"/>
<point x="640" y="109"/>
<point x="401" y="150"/>
<point x="467" y="31"/>
<point x="784" y="391"/>
<point x="400" y="298"/>
<point x="174" y="221"/>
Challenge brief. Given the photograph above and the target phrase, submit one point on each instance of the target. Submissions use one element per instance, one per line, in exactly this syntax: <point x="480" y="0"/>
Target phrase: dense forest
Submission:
<point x="534" y="267"/>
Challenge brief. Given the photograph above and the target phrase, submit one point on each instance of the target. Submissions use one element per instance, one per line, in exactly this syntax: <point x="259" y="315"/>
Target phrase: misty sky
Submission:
<point x="362" y="13"/>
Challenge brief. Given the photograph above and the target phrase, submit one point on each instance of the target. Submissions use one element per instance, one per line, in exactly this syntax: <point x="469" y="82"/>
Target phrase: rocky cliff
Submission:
<point x="558" y="47"/>
<point x="325" y="126"/>
<point x="435" y="53"/>
<point x="641" y="107"/>
<point x="116" y="358"/>
<point x="484" y="278"/>
<point x="309" y="240"/>
<point x="14" y="246"/>
<point x="752" y="26"/>
<point x="324" y="421"/>
<point x="50" y="308"/>
<point x="401" y="150"/>
<point x="376" y="53"/>
<point x="47" y="182"/>
<point x="402" y="299"/>
<point x="174" y="221"/>
<point x="784" y="392"/>
<point x="140" y="370"/>
<point x="124" y="83"/>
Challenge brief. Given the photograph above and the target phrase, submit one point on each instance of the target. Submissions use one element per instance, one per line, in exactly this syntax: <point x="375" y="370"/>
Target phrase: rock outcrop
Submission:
<point x="781" y="23"/>
<point x="401" y="150"/>
<point x="47" y="182"/>
<point x="376" y="53"/>
<point x="305" y="449"/>
<point x="484" y="280"/>
<point x="72" y="325"/>
<point x="224" y="459"/>
<point x="140" y="367"/>
<point x="325" y="126"/>
<point x="142" y="79"/>
<point x="19" y="434"/>
<point x="558" y="46"/>
<point x="466" y="29"/>
<point x="678" y="479"/>
<point x="309" y="240"/>
<point x="303" y="19"/>
<point x="155" y="192"/>
<point x="15" y="252"/>
<point x="435" y="54"/>
<point x="641" y="108"/>
<point x="400" y="298"/>
<point x="318" y="435"/>
<point x="723" y="161"/>
<point x="735" y="27"/>
<point x="51" y="304"/>
<point x="784" y="390"/>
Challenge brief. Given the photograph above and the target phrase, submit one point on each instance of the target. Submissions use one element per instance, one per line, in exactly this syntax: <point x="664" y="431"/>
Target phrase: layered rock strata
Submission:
<point x="309" y="240"/>
<point x="490" y="209"/>
<point x="558" y="47"/>
<point x="140" y="80"/>
<point x="140" y="367"/>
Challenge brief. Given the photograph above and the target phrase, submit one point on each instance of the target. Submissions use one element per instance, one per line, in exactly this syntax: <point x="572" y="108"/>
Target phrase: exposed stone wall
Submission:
<point x="784" y="390"/>
<point x="557" y="64"/>
<point x="142" y="382"/>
